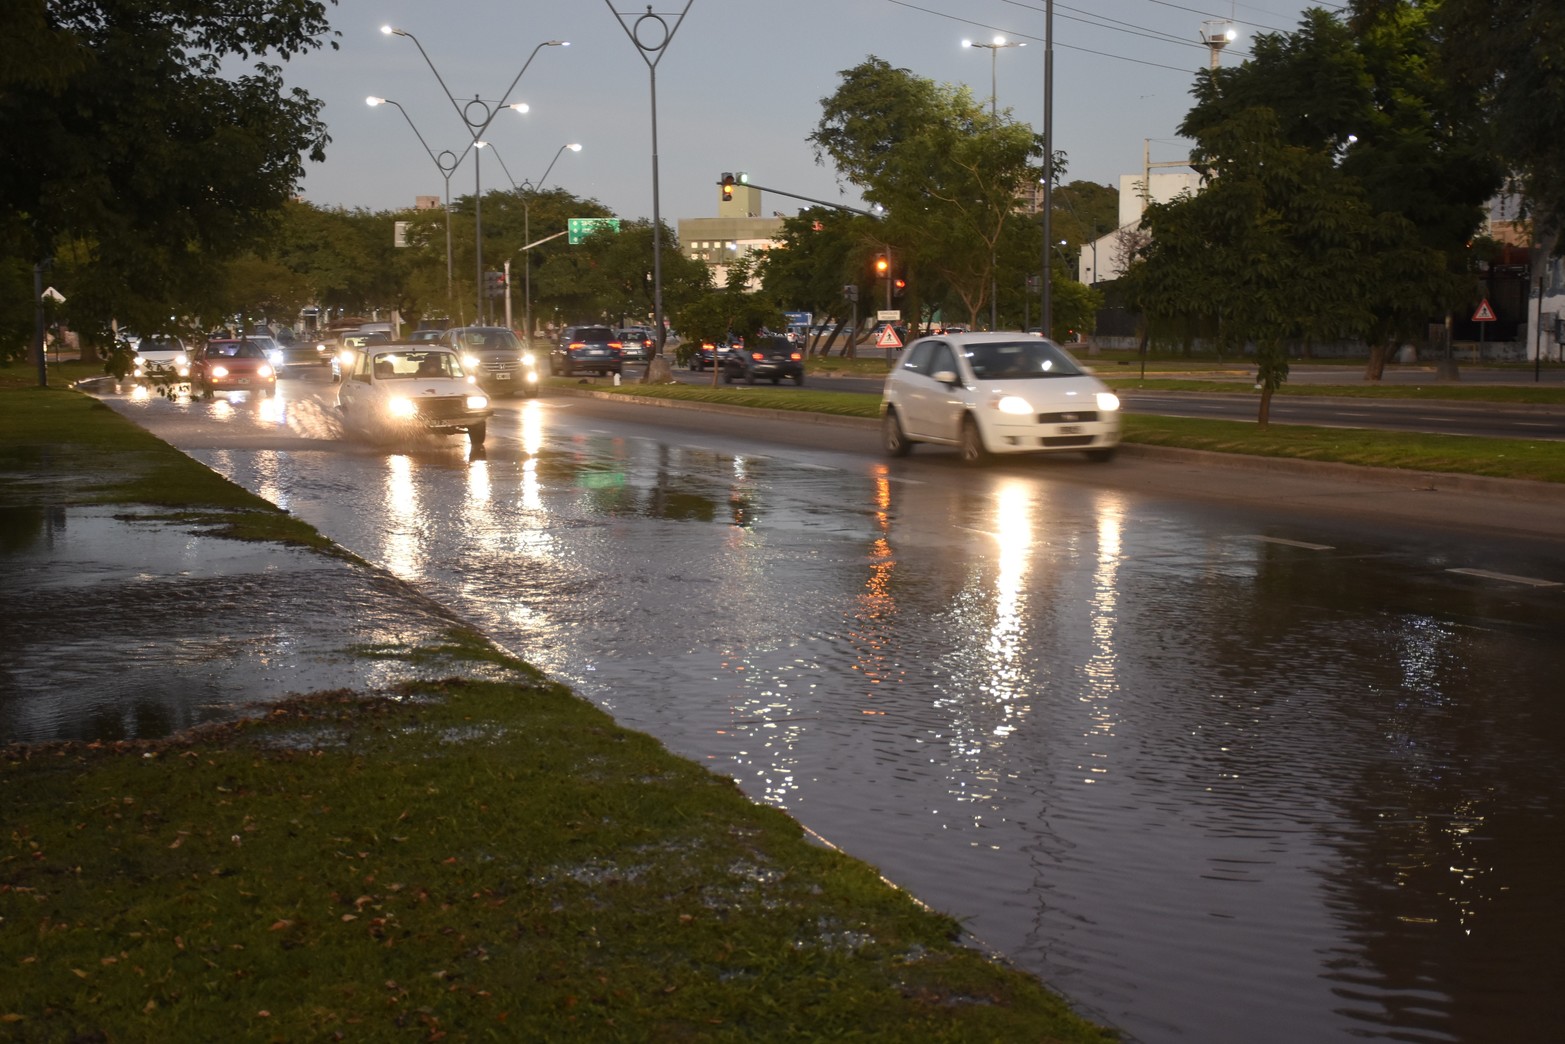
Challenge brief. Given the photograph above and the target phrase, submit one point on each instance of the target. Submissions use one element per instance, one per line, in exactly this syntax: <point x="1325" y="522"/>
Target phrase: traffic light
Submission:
<point x="728" y="187"/>
<point x="898" y="288"/>
<point x="882" y="266"/>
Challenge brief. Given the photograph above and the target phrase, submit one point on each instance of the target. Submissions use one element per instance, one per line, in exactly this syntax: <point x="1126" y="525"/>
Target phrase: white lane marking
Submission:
<point x="1291" y="543"/>
<point x="1530" y="581"/>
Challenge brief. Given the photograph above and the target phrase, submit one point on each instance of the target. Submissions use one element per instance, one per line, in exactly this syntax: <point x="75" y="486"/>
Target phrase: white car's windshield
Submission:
<point x="1019" y="359"/>
<point x="411" y="365"/>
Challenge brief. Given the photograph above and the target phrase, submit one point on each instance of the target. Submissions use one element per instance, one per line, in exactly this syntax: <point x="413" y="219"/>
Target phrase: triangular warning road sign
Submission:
<point x="888" y="338"/>
<point x="1485" y="314"/>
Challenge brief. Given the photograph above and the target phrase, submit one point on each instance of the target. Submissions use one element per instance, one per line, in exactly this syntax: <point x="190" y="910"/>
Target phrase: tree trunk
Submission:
<point x="1376" y="368"/>
<point x="1265" y="415"/>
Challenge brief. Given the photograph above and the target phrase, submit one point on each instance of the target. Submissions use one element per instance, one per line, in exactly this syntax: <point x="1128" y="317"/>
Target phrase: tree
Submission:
<point x="1510" y="54"/>
<point x="1272" y="248"/>
<point x="1366" y="95"/>
<point x="945" y="169"/>
<point x="146" y="141"/>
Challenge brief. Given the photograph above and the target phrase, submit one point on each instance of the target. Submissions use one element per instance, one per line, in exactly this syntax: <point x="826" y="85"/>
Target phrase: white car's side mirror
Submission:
<point x="946" y="377"/>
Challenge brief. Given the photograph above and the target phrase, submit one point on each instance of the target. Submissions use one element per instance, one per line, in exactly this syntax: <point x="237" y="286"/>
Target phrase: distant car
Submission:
<point x="991" y="393"/>
<point x="232" y="365"/>
<point x="425" y="336"/>
<point x="496" y="357"/>
<point x="347" y="350"/>
<point x="422" y="387"/>
<point x="769" y="357"/>
<point x="587" y="349"/>
<point x="160" y="358"/>
<point x="703" y="356"/>
<point x="635" y="344"/>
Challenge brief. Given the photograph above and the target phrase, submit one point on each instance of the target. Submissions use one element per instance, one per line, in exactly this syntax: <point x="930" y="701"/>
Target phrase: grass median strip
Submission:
<point x="488" y="859"/>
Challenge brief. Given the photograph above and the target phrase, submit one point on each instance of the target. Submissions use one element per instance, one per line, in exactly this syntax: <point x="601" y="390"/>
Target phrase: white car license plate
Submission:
<point x="1070" y="429"/>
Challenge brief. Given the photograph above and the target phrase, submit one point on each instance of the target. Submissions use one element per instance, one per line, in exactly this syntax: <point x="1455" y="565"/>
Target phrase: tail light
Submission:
<point x="618" y="346"/>
<point x="758" y="356"/>
<point x="796" y="357"/>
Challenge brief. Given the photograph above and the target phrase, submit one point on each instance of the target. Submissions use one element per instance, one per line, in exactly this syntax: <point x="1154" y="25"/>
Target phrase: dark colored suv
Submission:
<point x="495" y="356"/>
<point x="587" y="349"/>
<point x="768" y="356"/>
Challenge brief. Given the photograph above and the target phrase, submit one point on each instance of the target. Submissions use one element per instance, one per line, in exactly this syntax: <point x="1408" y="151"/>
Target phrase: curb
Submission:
<point x="1396" y="478"/>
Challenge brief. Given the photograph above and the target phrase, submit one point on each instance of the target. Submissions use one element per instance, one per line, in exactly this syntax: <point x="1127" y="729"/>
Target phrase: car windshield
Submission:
<point x="490" y="340"/>
<point x="235" y="350"/>
<point x="412" y="365"/>
<point x="1005" y="360"/>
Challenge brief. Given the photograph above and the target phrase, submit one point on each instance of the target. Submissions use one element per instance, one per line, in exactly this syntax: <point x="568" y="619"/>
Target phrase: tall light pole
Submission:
<point x="527" y="239"/>
<point x="652" y="34"/>
<point x="446" y="167"/>
<point x="476" y="116"/>
<point x="1047" y="314"/>
<point x="994" y="47"/>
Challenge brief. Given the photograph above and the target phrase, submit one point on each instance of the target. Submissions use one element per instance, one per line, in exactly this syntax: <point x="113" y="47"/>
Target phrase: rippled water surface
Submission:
<point x="1217" y="778"/>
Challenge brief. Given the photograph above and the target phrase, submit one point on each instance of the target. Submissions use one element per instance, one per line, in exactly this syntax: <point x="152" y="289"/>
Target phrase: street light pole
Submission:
<point x="476" y="128"/>
<point x="652" y="34"/>
<point x="447" y="168"/>
<point x="994" y="47"/>
<point x="1047" y="316"/>
<point x="527" y="240"/>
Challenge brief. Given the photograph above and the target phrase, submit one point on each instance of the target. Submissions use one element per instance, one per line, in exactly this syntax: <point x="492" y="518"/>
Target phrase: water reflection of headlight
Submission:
<point x="1108" y="402"/>
<point x="400" y="407"/>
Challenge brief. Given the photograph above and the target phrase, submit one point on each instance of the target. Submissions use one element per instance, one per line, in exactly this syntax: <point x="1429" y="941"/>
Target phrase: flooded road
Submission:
<point x="1217" y="774"/>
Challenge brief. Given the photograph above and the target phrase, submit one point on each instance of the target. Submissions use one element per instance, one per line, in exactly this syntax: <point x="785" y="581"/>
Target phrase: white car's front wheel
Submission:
<point x="973" y="449"/>
<point x="893" y="437"/>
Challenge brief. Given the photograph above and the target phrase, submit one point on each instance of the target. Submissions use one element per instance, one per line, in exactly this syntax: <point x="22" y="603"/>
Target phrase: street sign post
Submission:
<point x="888" y="315"/>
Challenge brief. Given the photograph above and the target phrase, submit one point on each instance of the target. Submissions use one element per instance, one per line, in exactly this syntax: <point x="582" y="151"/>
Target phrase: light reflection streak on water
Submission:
<point x="403" y="540"/>
<point x="1101" y="669"/>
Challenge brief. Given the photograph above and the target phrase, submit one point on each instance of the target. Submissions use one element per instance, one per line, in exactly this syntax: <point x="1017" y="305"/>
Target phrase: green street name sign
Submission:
<point x="578" y="229"/>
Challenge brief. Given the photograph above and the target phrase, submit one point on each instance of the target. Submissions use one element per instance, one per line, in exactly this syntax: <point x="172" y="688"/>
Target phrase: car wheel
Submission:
<point x="776" y="381"/>
<point x="728" y="375"/>
<point x="749" y="376"/>
<point x="477" y="432"/>
<point x="1102" y="455"/>
<point x="798" y="379"/>
<point x="973" y="449"/>
<point x="893" y="437"/>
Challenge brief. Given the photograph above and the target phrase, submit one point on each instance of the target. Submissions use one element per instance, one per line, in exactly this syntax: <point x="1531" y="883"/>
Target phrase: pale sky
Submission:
<point x="739" y="88"/>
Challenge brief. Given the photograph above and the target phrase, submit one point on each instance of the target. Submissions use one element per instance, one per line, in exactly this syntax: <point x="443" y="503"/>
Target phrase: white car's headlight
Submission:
<point x="345" y="357"/>
<point x="1013" y="404"/>
<point x="470" y="361"/>
<point x="219" y="371"/>
<point x="181" y="359"/>
<point x="276" y="356"/>
<point x="477" y="402"/>
<point x="401" y="408"/>
<point x="1108" y="402"/>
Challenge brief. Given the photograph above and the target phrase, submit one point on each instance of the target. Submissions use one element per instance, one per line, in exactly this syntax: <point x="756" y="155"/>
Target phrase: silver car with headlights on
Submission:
<point x="496" y="357"/>
<point x="413" y="387"/>
<point x="994" y="393"/>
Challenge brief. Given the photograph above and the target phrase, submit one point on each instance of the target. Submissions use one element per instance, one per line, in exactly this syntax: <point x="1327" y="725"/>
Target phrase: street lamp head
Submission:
<point x="518" y="106"/>
<point x="391" y="30"/>
<point x="373" y="101"/>
<point x="556" y="43"/>
<point x="574" y="147"/>
<point x="480" y="144"/>
<point x="998" y="41"/>
<point x="967" y="43"/>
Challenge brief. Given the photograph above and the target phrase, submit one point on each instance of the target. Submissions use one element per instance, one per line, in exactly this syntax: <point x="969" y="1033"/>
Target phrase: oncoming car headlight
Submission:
<point x="477" y="402"/>
<point x="219" y="371"/>
<point x="527" y="359"/>
<point x="181" y="359"/>
<point x="401" y="408"/>
<point x="470" y="361"/>
<point x="263" y="370"/>
<point x="1013" y="404"/>
<point x="1108" y="402"/>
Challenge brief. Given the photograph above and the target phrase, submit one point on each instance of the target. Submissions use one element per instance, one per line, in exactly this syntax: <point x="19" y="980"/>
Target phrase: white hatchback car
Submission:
<point x="416" y="386"/>
<point x="991" y="393"/>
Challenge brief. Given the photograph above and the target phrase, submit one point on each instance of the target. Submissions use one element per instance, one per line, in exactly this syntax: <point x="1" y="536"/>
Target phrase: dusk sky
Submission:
<point x="739" y="88"/>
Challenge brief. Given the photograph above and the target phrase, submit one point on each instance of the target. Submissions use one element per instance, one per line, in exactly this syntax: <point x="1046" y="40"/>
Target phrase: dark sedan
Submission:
<point x="587" y="349"/>
<point x="769" y="357"/>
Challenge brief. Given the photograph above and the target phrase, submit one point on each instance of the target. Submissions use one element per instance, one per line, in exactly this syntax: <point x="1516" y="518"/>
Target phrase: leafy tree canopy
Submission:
<point x="140" y="141"/>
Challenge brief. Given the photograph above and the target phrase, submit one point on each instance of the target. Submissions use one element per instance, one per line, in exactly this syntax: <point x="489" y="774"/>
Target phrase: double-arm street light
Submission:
<point x="477" y="115"/>
<point x="994" y="47"/>
<point x="446" y="161"/>
<point x="526" y="191"/>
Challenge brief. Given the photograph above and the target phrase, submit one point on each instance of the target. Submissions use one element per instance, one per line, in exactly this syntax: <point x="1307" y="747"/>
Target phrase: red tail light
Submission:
<point x="758" y="356"/>
<point x="617" y="345"/>
<point x="796" y="357"/>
